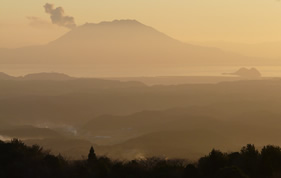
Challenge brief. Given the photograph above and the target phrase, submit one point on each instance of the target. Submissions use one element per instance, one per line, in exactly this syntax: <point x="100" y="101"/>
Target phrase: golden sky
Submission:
<point x="250" y="21"/>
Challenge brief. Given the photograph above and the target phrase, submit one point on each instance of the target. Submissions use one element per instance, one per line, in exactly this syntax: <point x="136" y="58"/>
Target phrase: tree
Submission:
<point x="92" y="155"/>
<point x="211" y="164"/>
<point x="231" y="172"/>
<point x="191" y="171"/>
<point x="250" y="160"/>
<point x="271" y="160"/>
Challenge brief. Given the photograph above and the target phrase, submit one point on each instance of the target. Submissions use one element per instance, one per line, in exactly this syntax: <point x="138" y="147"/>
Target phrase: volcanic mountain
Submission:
<point x="120" y="47"/>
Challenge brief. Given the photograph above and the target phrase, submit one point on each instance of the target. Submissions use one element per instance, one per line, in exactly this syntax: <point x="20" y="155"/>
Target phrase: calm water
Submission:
<point x="86" y="71"/>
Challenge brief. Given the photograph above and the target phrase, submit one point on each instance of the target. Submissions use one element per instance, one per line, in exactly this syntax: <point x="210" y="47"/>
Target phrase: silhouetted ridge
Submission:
<point x="20" y="160"/>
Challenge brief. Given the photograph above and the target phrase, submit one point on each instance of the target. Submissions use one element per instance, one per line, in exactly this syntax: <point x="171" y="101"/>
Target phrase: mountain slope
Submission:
<point x="265" y="49"/>
<point x="4" y="76"/>
<point x="121" y="47"/>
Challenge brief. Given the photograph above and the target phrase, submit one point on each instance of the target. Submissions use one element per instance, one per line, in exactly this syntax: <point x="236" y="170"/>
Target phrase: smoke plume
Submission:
<point x="58" y="17"/>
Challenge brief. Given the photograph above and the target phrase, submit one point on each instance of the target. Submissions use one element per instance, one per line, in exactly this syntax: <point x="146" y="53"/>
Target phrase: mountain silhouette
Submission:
<point x="121" y="47"/>
<point x="37" y="76"/>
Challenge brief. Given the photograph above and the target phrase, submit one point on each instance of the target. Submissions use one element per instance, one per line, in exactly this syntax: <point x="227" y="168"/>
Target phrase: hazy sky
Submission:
<point x="25" y="22"/>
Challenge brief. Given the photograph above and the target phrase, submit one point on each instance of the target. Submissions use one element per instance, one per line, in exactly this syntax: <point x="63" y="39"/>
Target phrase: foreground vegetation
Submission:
<point x="19" y="160"/>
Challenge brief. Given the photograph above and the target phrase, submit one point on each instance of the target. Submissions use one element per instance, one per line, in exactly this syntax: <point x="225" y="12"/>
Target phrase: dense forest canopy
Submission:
<point x="19" y="160"/>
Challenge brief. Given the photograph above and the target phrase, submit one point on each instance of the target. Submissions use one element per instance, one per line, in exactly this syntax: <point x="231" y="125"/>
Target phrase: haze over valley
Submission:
<point x="129" y="119"/>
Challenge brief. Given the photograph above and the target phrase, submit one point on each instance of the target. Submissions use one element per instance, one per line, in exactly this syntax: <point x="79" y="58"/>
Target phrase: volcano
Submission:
<point x="120" y="47"/>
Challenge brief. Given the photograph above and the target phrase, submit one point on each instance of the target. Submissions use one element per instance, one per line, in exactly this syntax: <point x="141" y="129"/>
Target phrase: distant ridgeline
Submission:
<point x="37" y="76"/>
<point x="21" y="161"/>
<point x="246" y="73"/>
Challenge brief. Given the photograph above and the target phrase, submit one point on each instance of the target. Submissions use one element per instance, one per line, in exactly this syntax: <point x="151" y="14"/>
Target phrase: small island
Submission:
<point x="246" y="73"/>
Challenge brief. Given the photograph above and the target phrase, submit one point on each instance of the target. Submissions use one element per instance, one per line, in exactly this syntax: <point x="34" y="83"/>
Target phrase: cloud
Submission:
<point x="58" y="17"/>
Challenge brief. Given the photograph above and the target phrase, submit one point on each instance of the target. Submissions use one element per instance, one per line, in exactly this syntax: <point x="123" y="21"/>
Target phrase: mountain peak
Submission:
<point x="116" y="32"/>
<point x="127" y="22"/>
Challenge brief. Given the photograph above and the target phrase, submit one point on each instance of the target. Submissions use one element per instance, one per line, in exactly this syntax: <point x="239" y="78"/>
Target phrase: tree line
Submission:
<point x="22" y="161"/>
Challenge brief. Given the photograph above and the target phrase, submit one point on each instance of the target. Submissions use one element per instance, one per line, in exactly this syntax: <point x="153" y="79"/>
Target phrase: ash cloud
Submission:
<point x="58" y="17"/>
